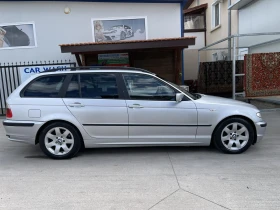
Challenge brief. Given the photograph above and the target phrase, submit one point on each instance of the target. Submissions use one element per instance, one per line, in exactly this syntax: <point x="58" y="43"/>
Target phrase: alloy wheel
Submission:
<point x="59" y="141"/>
<point x="235" y="136"/>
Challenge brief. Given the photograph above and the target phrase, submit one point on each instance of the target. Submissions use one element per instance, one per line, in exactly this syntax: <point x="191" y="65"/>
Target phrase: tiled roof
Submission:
<point x="127" y="41"/>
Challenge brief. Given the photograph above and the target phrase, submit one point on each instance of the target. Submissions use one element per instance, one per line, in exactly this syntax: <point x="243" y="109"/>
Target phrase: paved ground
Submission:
<point x="143" y="178"/>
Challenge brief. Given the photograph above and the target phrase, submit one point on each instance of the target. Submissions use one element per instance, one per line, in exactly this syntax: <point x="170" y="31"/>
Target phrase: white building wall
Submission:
<point x="261" y="16"/>
<point x="191" y="56"/>
<point x="53" y="27"/>
<point x="199" y="41"/>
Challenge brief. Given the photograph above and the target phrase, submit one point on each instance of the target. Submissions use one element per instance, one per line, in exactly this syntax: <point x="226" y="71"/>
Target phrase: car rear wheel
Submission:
<point x="234" y="136"/>
<point x="60" y="141"/>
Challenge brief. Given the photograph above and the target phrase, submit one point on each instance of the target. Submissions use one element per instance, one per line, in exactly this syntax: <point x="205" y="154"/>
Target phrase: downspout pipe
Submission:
<point x="229" y="30"/>
<point x="182" y="5"/>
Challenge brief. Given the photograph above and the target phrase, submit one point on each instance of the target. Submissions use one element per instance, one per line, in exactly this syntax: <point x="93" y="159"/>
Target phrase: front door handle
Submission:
<point x="76" y="104"/>
<point x="135" y="106"/>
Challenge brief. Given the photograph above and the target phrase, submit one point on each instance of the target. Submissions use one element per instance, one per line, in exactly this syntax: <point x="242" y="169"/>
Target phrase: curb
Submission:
<point x="271" y="101"/>
<point x="270" y="110"/>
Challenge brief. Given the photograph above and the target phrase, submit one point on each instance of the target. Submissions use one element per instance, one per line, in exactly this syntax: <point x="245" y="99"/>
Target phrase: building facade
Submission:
<point x="208" y="21"/>
<point x="51" y="23"/>
<point x="254" y="18"/>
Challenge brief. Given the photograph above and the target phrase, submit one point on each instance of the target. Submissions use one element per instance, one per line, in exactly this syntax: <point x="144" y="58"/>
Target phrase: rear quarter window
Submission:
<point x="44" y="87"/>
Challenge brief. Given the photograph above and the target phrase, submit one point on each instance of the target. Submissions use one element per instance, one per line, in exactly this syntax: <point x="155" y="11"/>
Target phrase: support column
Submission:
<point x="178" y="65"/>
<point x="234" y="68"/>
<point x="78" y="60"/>
<point x="229" y="31"/>
<point x="83" y="59"/>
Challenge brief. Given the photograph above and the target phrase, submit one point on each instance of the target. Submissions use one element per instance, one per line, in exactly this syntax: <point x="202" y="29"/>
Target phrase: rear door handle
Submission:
<point x="76" y="104"/>
<point x="135" y="106"/>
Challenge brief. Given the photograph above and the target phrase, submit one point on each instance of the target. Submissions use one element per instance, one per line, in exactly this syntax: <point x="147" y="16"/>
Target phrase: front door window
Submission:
<point x="145" y="87"/>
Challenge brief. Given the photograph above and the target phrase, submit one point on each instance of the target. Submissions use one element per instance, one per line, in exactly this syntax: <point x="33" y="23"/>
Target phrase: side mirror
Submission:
<point x="179" y="97"/>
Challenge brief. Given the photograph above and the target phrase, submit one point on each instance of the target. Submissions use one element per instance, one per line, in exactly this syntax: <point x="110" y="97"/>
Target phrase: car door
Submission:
<point x="96" y="102"/>
<point x="154" y="115"/>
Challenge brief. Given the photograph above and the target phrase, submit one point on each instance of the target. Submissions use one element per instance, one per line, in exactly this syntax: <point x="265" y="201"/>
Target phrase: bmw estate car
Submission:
<point x="65" y="111"/>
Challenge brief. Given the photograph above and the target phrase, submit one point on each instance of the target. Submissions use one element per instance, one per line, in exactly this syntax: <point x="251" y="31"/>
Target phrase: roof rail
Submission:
<point x="98" y="68"/>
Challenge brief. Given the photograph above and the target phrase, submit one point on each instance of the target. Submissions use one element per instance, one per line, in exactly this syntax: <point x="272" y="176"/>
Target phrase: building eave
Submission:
<point x="240" y="4"/>
<point x="91" y="47"/>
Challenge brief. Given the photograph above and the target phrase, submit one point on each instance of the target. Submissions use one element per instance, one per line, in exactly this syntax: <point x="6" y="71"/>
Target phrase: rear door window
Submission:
<point x="93" y="86"/>
<point x="45" y="87"/>
<point x="99" y="86"/>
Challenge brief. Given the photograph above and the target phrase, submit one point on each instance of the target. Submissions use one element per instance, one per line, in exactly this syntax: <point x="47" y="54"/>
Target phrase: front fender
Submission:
<point x="213" y="116"/>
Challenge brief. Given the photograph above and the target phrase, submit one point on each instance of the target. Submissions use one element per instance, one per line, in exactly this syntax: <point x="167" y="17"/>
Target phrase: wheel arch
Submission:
<point x="54" y="121"/>
<point x="237" y="116"/>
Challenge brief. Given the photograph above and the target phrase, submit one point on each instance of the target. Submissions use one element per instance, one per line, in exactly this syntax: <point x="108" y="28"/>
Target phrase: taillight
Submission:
<point x="9" y="113"/>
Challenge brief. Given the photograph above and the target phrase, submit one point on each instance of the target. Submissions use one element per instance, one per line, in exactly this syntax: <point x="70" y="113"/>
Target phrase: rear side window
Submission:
<point x="44" y="87"/>
<point x="93" y="86"/>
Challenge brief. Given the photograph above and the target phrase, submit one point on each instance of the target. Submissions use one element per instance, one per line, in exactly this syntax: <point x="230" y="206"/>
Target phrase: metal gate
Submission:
<point x="10" y="78"/>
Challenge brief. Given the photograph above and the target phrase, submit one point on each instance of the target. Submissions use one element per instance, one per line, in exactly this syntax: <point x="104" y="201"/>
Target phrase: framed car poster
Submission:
<point x="119" y="29"/>
<point x="17" y="35"/>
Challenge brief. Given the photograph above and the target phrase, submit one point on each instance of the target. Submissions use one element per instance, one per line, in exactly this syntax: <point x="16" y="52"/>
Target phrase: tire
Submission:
<point x="234" y="136"/>
<point x="123" y="36"/>
<point x="57" y="144"/>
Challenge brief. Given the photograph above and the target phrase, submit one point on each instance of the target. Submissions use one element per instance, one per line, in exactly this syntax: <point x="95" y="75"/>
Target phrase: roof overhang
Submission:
<point x="97" y="47"/>
<point x="197" y="9"/>
<point x="240" y="4"/>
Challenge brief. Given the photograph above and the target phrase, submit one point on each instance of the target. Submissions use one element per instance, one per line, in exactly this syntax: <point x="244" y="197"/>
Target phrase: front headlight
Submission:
<point x="259" y="115"/>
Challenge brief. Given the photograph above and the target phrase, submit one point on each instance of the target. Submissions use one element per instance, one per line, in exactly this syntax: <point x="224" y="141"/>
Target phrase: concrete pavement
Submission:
<point x="143" y="178"/>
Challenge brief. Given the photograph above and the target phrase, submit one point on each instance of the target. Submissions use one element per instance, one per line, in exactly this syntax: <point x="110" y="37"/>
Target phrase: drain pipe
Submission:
<point x="229" y="30"/>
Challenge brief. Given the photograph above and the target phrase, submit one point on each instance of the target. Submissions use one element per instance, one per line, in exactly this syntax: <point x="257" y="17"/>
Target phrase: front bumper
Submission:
<point x="260" y="128"/>
<point x="22" y="131"/>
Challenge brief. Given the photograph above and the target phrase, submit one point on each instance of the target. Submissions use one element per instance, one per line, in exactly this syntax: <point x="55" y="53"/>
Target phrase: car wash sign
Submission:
<point x="26" y="71"/>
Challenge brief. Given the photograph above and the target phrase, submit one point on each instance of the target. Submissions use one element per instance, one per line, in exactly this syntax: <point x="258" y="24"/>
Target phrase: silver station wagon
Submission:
<point x="65" y="111"/>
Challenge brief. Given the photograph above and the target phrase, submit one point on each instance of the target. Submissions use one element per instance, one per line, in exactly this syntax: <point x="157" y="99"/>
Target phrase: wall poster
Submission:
<point x="17" y="35"/>
<point x="119" y="29"/>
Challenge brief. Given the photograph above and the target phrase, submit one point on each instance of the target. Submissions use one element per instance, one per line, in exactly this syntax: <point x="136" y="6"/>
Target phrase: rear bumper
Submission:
<point x="22" y="131"/>
<point x="260" y="128"/>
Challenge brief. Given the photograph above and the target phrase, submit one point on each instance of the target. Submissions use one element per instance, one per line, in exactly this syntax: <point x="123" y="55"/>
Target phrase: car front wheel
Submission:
<point x="234" y="136"/>
<point x="60" y="141"/>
